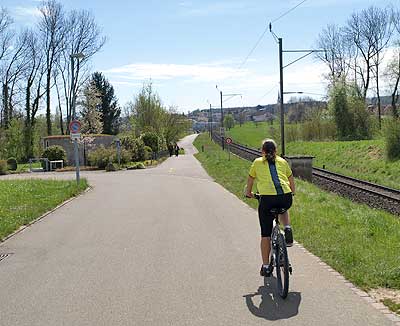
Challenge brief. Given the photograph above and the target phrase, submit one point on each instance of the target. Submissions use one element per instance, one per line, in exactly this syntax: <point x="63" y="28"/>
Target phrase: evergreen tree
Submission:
<point x="108" y="103"/>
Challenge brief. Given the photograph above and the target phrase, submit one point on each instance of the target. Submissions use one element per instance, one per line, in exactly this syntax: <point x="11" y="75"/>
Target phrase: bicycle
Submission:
<point x="279" y="258"/>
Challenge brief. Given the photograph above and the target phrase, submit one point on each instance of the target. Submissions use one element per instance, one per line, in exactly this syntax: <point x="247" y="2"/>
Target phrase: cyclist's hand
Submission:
<point x="249" y="195"/>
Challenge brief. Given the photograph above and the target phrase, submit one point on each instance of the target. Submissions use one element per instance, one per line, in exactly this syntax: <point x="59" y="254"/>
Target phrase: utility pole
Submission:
<point x="222" y="124"/>
<point x="281" y="67"/>
<point x="281" y="98"/>
<point x="210" y="121"/>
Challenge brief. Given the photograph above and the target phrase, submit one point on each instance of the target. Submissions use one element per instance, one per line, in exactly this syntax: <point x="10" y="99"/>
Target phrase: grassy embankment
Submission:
<point x="363" y="159"/>
<point x="22" y="201"/>
<point x="361" y="243"/>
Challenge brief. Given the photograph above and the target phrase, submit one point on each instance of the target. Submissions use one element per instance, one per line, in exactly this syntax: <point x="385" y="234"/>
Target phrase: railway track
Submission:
<point x="374" y="195"/>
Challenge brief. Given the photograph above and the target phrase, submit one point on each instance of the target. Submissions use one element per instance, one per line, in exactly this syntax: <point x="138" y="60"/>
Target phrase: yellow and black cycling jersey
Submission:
<point x="272" y="178"/>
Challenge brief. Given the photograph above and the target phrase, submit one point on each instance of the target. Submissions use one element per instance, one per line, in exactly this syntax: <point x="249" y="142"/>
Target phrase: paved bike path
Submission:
<point x="164" y="246"/>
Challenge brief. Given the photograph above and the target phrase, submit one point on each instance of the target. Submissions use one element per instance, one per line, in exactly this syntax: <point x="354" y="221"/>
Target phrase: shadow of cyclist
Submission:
<point x="272" y="306"/>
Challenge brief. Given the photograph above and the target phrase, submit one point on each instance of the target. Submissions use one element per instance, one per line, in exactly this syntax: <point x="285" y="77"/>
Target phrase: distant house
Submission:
<point x="87" y="144"/>
<point x="260" y="117"/>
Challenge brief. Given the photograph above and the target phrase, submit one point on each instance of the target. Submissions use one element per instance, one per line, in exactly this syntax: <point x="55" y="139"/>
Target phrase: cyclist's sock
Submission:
<point x="287" y="226"/>
<point x="265" y="265"/>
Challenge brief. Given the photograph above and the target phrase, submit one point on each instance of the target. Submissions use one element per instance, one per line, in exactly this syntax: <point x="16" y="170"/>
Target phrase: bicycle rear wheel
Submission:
<point x="282" y="266"/>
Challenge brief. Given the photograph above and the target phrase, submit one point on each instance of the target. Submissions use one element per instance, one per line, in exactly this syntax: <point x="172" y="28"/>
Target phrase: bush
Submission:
<point x="54" y="153"/>
<point x="3" y="167"/>
<point x="151" y="140"/>
<point x="102" y="156"/>
<point x="148" y="153"/>
<point x="348" y="108"/>
<point x="12" y="164"/>
<point x="110" y="167"/>
<point x="136" y="166"/>
<point x="138" y="152"/>
<point x="392" y="139"/>
<point x="135" y="146"/>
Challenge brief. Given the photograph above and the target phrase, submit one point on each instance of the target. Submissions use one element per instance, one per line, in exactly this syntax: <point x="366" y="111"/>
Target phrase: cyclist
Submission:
<point x="275" y="184"/>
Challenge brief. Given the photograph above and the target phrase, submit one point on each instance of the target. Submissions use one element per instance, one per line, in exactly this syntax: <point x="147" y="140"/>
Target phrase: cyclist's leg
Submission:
<point x="265" y="249"/>
<point x="285" y="201"/>
<point x="266" y="223"/>
<point x="285" y="218"/>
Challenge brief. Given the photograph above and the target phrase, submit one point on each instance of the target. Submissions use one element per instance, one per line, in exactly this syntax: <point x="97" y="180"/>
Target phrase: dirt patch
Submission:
<point x="382" y="294"/>
<point x="375" y="152"/>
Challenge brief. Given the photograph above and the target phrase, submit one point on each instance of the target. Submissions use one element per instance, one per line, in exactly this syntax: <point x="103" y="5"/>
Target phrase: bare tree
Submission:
<point x="393" y="69"/>
<point x="52" y="28"/>
<point x="382" y="29"/>
<point x="83" y="36"/>
<point x="34" y="88"/>
<point x="336" y="54"/>
<point x="361" y="31"/>
<point x="5" y="32"/>
<point x="12" y="72"/>
<point x="393" y="77"/>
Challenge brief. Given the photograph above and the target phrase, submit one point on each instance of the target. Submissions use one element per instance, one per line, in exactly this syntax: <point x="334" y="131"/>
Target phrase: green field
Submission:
<point x="22" y="201"/>
<point x="363" y="159"/>
<point x="361" y="243"/>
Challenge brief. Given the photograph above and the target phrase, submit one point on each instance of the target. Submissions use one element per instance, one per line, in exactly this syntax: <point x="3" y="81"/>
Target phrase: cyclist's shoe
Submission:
<point x="266" y="271"/>
<point x="288" y="237"/>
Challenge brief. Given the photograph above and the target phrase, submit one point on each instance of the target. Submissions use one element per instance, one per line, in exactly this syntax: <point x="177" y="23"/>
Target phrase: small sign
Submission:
<point x="75" y="136"/>
<point x="228" y="140"/>
<point x="75" y="127"/>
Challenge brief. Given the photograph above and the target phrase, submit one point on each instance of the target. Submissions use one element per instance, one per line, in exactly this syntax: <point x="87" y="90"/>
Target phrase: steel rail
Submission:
<point x="360" y="185"/>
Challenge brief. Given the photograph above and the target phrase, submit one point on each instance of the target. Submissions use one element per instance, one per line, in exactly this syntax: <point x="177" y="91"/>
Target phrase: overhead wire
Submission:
<point x="269" y="27"/>
<point x="287" y="12"/>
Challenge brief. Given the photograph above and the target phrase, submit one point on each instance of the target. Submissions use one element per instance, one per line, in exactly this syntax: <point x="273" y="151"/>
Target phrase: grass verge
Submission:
<point x="22" y="201"/>
<point x="393" y="306"/>
<point x="361" y="243"/>
<point x="364" y="159"/>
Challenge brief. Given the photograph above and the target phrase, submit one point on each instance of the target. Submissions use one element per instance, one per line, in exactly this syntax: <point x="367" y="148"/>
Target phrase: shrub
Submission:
<point x="125" y="157"/>
<point x="110" y="167"/>
<point x="12" y="164"/>
<point x="3" y="167"/>
<point x="135" y="146"/>
<point x="392" y="139"/>
<point x="151" y="140"/>
<point x="54" y="153"/>
<point x="148" y="153"/>
<point x="102" y="156"/>
<point x="348" y="108"/>
<point x="138" y="152"/>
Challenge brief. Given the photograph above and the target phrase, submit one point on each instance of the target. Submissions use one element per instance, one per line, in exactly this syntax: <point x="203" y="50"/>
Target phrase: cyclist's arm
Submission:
<point x="250" y="182"/>
<point x="291" y="184"/>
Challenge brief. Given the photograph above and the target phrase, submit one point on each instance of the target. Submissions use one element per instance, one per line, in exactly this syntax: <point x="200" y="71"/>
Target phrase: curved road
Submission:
<point x="163" y="246"/>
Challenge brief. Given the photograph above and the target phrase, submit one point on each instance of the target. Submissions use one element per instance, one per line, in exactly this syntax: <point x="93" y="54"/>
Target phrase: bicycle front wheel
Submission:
<point x="282" y="267"/>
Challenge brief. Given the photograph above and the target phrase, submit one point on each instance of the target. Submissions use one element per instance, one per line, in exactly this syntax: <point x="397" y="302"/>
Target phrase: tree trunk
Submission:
<point x="395" y="94"/>
<point x="48" y="111"/>
<point x="378" y="96"/>
<point x="6" y="120"/>
<point x="59" y="107"/>
<point x="28" y="128"/>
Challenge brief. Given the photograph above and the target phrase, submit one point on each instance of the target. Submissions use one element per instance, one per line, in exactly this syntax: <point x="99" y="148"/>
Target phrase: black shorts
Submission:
<point x="266" y="204"/>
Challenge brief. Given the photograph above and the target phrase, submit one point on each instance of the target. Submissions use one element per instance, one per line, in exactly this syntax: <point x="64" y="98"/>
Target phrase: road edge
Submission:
<point x="23" y="227"/>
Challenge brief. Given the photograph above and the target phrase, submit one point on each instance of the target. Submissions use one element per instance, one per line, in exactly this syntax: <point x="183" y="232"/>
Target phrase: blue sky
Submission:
<point x="186" y="47"/>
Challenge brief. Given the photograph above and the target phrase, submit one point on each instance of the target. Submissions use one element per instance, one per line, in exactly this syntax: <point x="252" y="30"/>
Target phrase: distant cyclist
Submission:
<point x="275" y="184"/>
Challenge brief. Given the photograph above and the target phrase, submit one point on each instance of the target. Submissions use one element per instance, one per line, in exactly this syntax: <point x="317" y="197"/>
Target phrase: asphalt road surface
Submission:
<point x="163" y="246"/>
